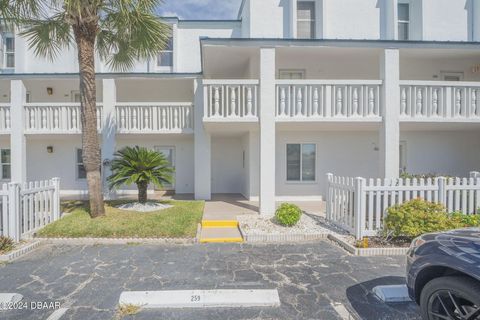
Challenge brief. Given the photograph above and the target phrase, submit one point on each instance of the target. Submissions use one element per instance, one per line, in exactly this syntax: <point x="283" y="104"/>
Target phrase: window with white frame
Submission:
<point x="79" y="167"/>
<point x="403" y="21"/>
<point x="5" y="162"/>
<point x="9" y="51"/>
<point x="306" y="20"/>
<point x="165" y="57"/>
<point x="301" y="159"/>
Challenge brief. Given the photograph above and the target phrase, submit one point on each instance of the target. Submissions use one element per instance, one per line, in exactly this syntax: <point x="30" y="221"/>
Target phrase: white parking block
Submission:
<point x="57" y="314"/>
<point x="8" y="299"/>
<point x="393" y="293"/>
<point x="201" y="298"/>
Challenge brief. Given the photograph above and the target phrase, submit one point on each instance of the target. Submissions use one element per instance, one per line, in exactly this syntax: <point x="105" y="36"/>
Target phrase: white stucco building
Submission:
<point x="267" y="104"/>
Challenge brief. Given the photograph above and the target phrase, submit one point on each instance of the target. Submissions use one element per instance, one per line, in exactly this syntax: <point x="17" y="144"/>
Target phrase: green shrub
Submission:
<point x="288" y="214"/>
<point x="6" y="244"/>
<point x="416" y="217"/>
<point x="459" y="220"/>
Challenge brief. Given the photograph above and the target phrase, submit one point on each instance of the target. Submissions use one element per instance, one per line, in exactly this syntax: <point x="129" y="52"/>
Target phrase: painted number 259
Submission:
<point x="195" y="298"/>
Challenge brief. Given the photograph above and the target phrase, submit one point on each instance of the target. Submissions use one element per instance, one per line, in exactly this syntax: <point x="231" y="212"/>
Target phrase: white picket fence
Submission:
<point x="27" y="207"/>
<point x="359" y="205"/>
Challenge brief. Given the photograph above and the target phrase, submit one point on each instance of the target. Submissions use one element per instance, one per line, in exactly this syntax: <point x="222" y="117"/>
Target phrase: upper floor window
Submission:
<point x="306" y="20"/>
<point x="165" y="58"/>
<point x="9" y="51"/>
<point x="403" y="21"/>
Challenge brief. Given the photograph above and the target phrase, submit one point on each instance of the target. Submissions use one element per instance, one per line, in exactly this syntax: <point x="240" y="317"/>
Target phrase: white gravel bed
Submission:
<point x="145" y="207"/>
<point x="255" y="224"/>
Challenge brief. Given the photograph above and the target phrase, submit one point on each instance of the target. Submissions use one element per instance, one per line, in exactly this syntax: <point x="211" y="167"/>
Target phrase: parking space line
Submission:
<point x="342" y="311"/>
<point x="57" y="314"/>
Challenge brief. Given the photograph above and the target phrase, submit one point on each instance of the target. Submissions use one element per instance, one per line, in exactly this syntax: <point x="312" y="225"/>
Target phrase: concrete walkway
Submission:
<point x="220" y="216"/>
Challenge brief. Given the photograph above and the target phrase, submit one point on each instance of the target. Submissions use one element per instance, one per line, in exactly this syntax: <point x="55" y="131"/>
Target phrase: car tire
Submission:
<point x="462" y="286"/>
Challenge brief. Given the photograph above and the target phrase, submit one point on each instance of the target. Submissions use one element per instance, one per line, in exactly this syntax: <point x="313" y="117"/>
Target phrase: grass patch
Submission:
<point x="127" y="310"/>
<point x="180" y="221"/>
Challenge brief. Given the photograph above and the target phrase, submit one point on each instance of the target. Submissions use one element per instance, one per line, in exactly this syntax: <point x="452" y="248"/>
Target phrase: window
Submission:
<point x="81" y="172"/>
<point x="291" y="74"/>
<point x="5" y="163"/>
<point x="165" y="58"/>
<point x="306" y="20"/>
<point x="301" y="160"/>
<point x="403" y="157"/>
<point x="9" y="52"/>
<point x="452" y="76"/>
<point x="403" y="21"/>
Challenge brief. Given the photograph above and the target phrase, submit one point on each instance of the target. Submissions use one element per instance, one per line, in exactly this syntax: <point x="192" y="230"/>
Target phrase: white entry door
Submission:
<point x="169" y="153"/>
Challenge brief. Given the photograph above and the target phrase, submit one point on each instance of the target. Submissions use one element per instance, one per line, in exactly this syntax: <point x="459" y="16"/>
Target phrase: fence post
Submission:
<point x="328" y="204"/>
<point x="442" y="191"/>
<point x="56" y="198"/>
<point x="14" y="211"/>
<point x="359" y="207"/>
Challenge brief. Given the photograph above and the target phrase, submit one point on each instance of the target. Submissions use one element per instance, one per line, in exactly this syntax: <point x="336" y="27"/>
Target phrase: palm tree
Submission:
<point x="140" y="166"/>
<point x="120" y="32"/>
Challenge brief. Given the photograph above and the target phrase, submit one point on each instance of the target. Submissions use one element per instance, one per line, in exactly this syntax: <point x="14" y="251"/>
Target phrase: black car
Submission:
<point x="443" y="274"/>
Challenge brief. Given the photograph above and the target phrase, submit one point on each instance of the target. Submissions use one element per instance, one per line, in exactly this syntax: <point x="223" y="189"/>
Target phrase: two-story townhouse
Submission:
<point x="267" y="104"/>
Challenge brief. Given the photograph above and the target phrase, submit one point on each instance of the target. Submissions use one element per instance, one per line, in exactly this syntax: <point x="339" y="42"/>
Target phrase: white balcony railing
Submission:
<point x="154" y="117"/>
<point x="5" y="118"/>
<point x="328" y="99"/>
<point x="439" y="100"/>
<point x="231" y="100"/>
<point x="55" y="117"/>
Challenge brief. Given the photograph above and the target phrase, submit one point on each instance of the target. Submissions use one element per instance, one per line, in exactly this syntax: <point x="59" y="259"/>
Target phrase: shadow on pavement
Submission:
<point x="367" y="306"/>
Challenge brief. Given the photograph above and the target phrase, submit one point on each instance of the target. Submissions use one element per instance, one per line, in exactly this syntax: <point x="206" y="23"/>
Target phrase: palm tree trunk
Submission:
<point x="142" y="192"/>
<point x="85" y="35"/>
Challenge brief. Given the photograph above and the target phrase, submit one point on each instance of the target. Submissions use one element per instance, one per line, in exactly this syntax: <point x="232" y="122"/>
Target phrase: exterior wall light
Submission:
<point x="50" y="149"/>
<point x="49" y="91"/>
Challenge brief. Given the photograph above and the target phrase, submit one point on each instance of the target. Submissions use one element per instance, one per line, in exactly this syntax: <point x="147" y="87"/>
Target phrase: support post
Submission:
<point x="267" y="131"/>
<point x="14" y="211"/>
<point x="202" y="147"/>
<point x="18" y="95"/>
<point x="475" y="36"/>
<point x="442" y="191"/>
<point x="328" y="204"/>
<point x="56" y="198"/>
<point x="360" y="207"/>
<point x="390" y="130"/>
<point x="390" y="20"/>
<point x="109" y="128"/>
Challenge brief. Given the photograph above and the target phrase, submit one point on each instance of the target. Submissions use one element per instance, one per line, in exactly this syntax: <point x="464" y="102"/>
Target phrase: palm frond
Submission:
<point x="134" y="165"/>
<point x="47" y="38"/>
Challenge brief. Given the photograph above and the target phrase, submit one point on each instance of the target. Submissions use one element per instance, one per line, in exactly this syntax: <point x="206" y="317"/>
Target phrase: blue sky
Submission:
<point x="201" y="9"/>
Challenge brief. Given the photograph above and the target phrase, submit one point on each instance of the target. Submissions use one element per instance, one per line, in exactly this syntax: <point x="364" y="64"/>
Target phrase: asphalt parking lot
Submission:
<point x="314" y="280"/>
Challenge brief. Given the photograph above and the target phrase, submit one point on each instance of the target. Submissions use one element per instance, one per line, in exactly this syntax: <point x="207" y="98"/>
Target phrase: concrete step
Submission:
<point x="219" y="224"/>
<point x="209" y="235"/>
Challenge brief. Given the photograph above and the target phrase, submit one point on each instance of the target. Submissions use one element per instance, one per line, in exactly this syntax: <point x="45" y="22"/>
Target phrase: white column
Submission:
<point x="202" y="147"/>
<point x="292" y="19"/>
<point x="267" y="131"/>
<point x="390" y="130"/>
<point x="109" y="128"/>
<point x="476" y="20"/>
<point x="390" y="19"/>
<point x="18" y="95"/>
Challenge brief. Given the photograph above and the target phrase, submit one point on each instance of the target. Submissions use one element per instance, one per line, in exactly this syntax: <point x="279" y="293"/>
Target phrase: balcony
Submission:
<point x="328" y="100"/>
<point x="56" y="118"/>
<point x="154" y="117"/>
<point x="231" y="100"/>
<point x="439" y="101"/>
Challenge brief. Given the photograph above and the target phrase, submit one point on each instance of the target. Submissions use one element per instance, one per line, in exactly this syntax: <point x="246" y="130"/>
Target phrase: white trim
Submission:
<point x="154" y="104"/>
<point x="332" y="82"/>
<point x="440" y="83"/>
<point x="230" y="81"/>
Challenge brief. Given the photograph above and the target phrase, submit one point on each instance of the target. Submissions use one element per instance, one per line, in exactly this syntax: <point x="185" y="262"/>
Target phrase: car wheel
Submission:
<point x="451" y="298"/>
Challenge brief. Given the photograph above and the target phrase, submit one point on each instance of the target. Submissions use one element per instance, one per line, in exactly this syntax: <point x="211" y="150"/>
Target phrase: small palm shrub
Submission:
<point x="140" y="166"/>
<point x="288" y="215"/>
<point x="6" y="244"/>
<point x="416" y="217"/>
